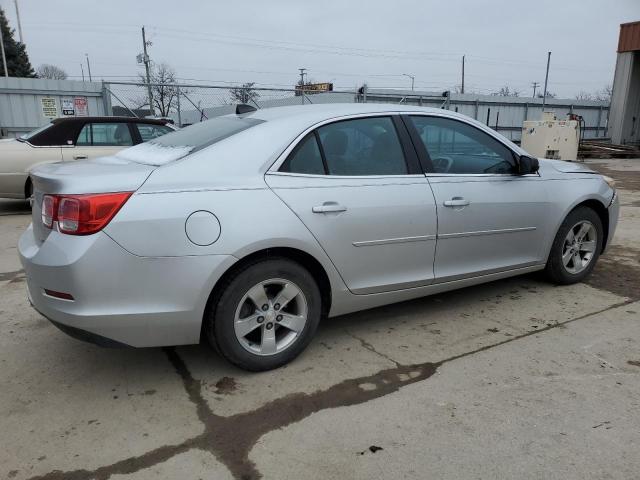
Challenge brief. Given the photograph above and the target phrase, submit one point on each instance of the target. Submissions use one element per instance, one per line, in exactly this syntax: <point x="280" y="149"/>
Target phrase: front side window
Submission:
<point x="458" y="148"/>
<point x="104" y="134"/>
<point x="149" y="131"/>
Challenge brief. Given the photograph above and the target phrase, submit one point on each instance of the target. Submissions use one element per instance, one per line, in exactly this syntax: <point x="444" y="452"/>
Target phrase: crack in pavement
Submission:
<point x="231" y="438"/>
<point x="371" y="348"/>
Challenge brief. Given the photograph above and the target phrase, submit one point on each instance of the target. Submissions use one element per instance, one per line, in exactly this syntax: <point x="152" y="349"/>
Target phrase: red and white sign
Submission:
<point x="81" y="106"/>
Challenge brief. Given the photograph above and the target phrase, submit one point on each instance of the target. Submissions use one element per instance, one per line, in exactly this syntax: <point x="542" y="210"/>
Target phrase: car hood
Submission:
<point x="565" y="167"/>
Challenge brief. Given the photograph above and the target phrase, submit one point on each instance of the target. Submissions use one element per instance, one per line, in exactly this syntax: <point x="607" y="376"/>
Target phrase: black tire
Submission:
<point x="555" y="269"/>
<point x="219" y="326"/>
<point x="28" y="189"/>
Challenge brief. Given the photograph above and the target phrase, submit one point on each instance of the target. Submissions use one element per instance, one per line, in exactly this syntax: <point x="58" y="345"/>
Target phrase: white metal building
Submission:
<point x="624" y="119"/>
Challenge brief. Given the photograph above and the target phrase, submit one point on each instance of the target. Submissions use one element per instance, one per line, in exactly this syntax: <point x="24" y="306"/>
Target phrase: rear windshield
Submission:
<point x="178" y="144"/>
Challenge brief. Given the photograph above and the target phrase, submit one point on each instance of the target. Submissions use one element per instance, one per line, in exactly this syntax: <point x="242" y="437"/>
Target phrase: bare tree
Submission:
<point x="582" y="95"/>
<point x="507" y="91"/>
<point x="244" y="93"/>
<point x="51" y="72"/>
<point x="604" y="94"/>
<point x="549" y="95"/>
<point x="163" y="89"/>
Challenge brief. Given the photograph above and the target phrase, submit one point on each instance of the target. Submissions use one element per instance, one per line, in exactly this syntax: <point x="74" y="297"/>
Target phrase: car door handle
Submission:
<point x="329" y="207"/>
<point x="456" y="202"/>
<point x="80" y="157"/>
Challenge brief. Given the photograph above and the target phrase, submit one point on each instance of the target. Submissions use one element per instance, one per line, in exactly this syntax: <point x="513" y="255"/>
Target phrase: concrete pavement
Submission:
<point x="513" y="379"/>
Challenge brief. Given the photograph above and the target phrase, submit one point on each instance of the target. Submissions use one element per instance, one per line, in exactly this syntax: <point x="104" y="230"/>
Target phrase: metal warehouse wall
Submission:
<point x="505" y="114"/>
<point x="21" y="101"/>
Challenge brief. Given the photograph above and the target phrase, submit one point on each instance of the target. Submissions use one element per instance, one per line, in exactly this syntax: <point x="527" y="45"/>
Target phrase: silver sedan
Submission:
<point x="248" y="229"/>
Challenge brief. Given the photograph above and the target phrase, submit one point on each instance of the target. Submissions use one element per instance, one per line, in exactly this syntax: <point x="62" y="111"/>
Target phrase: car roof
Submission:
<point x="65" y="120"/>
<point x="311" y="114"/>
<point x="326" y="111"/>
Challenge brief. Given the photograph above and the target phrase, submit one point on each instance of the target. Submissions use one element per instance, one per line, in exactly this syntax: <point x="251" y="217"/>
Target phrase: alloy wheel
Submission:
<point x="579" y="247"/>
<point x="270" y="317"/>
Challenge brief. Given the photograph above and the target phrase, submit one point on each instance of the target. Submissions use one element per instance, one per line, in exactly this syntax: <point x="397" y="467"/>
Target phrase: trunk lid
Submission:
<point x="100" y="175"/>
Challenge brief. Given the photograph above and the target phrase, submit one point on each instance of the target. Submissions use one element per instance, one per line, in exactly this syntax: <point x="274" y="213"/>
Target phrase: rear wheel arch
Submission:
<point x="304" y="259"/>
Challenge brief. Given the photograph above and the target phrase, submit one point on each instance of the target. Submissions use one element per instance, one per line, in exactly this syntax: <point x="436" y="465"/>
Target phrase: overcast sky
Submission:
<point x="505" y="41"/>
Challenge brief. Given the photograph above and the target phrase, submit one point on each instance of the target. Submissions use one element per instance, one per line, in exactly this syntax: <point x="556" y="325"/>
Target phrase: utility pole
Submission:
<point x="88" y="66"/>
<point x="18" y="19"/>
<point x="147" y="63"/>
<point x="302" y="74"/>
<point x="535" y="85"/>
<point x="412" y="79"/>
<point x="546" y="80"/>
<point x="462" y="88"/>
<point x="4" y="56"/>
<point x="82" y="70"/>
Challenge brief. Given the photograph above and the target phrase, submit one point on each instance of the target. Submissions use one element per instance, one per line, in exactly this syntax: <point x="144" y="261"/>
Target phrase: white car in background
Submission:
<point x="72" y="138"/>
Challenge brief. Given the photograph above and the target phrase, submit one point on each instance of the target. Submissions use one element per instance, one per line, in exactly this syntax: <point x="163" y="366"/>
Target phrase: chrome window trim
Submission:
<point x="458" y="175"/>
<point x="485" y="232"/>
<point x="354" y="177"/>
<point x="45" y="146"/>
<point x="387" y="241"/>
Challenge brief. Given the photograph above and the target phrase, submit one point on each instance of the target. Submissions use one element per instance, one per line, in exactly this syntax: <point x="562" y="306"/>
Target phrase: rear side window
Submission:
<point x="364" y="146"/>
<point x="359" y="147"/>
<point x="104" y="134"/>
<point x="305" y="158"/>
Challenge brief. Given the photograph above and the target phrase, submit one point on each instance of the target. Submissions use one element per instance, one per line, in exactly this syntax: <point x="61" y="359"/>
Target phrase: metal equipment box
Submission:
<point x="551" y="138"/>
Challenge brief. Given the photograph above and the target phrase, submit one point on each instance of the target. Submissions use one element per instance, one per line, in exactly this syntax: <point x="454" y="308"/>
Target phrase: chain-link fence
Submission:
<point x="186" y="104"/>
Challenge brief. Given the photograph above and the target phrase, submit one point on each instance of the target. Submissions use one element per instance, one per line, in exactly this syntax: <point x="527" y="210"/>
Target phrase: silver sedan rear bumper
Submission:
<point x="111" y="305"/>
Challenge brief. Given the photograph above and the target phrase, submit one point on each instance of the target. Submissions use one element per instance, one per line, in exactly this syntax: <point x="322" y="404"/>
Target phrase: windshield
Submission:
<point x="33" y="133"/>
<point x="178" y="144"/>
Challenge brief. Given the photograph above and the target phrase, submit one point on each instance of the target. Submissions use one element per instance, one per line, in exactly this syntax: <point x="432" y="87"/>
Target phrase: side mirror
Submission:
<point x="527" y="165"/>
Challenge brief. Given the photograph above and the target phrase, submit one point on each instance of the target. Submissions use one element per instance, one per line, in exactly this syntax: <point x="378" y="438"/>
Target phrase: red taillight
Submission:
<point x="82" y="214"/>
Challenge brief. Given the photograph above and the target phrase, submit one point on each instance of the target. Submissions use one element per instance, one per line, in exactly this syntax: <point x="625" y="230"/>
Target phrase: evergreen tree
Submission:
<point x="17" y="59"/>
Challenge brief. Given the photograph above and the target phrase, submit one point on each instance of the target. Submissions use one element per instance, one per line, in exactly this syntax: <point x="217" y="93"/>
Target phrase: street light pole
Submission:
<point x="462" y="87"/>
<point x="18" y="19"/>
<point x="88" y="66"/>
<point x="412" y="79"/>
<point x="302" y="74"/>
<point x="147" y="62"/>
<point x="546" y="79"/>
<point x="4" y="56"/>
